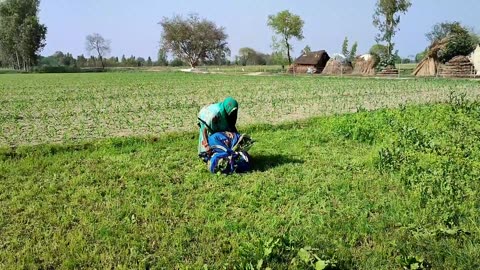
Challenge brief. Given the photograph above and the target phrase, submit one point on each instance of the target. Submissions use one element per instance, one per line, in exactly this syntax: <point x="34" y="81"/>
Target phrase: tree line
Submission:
<point x="66" y="59"/>
<point x="197" y="41"/>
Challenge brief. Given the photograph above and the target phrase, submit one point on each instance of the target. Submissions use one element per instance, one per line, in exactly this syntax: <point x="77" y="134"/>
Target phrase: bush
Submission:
<point x="381" y="53"/>
<point x="177" y="63"/>
<point x="440" y="165"/>
<point x="459" y="44"/>
<point x="420" y="56"/>
<point x="65" y="69"/>
<point x="56" y="69"/>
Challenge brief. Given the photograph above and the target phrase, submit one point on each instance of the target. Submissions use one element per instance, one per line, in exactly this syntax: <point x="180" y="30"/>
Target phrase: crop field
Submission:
<point x="99" y="171"/>
<point x="46" y="108"/>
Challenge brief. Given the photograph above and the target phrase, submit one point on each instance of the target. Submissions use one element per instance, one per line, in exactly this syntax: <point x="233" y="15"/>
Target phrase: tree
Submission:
<point x="288" y="26"/>
<point x="460" y="39"/>
<point x="380" y="52"/>
<point x="443" y="30"/>
<point x="387" y="18"/>
<point x="279" y="55"/>
<point x="353" y="52"/>
<point x="219" y="57"/>
<point x="246" y="56"/>
<point x="396" y="58"/>
<point x="81" y="61"/>
<point x="421" y="55"/>
<point x="140" y="61"/>
<point x="149" y="62"/>
<point x="69" y="60"/>
<point x="459" y="43"/>
<point x="22" y="36"/>
<point x="345" y="47"/>
<point x="112" y="62"/>
<point x="193" y="40"/>
<point x="261" y="58"/>
<point x="306" y="49"/>
<point x="96" y="43"/>
<point x="162" y="57"/>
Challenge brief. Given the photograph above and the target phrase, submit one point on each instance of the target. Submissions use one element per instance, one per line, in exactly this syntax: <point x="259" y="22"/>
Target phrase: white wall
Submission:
<point x="476" y="59"/>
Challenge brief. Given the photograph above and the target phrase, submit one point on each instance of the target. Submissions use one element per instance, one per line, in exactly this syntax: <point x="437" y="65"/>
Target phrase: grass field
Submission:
<point x="45" y="108"/>
<point x="388" y="189"/>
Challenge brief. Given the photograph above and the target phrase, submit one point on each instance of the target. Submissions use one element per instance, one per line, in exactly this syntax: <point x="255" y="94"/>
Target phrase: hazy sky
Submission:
<point x="132" y="26"/>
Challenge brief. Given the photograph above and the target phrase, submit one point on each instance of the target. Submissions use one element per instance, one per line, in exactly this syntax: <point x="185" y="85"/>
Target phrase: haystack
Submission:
<point x="427" y="67"/>
<point x="475" y="59"/>
<point x="313" y="62"/>
<point x="430" y="65"/>
<point x="365" y="65"/>
<point x="459" y="66"/>
<point x="335" y="67"/>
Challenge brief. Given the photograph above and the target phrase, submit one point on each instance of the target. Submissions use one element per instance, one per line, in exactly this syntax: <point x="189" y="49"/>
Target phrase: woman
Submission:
<point x="217" y="117"/>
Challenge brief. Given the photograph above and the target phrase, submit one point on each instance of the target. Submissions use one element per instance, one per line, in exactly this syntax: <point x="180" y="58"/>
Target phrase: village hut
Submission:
<point x="338" y="65"/>
<point x="475" y="59"/>
<point x="459" y="66"/>
<point x="365" y="65"/>
<point x="427" y="67"/>
<point x="311" y="62"/>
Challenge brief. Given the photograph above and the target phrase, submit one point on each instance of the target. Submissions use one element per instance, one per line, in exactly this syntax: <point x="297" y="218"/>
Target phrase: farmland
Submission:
<point x="46" y="108"/>
<point x="99" y="171"/>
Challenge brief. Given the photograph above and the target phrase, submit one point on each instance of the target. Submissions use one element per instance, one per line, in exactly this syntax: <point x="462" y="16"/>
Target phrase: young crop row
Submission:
<point x="46" y="108"/>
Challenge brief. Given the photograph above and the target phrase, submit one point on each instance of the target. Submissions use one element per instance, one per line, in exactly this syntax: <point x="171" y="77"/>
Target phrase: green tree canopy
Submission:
<point x="345" y="47"/>
<point x="380" y="52"/>
<point x="459" y="40"/>
<point x="353" y="52"/>
<point x="246" y="55"/>
<point x="288" y="26"/>
<point x="444" y="29"/>
<point x="22" y="36"/>
<point x="162" y="57"/>
<point x="307" y="49"/>
<point x="387" y="18"/>
<point x="420" y="56"/>
<point x="193" y="40"/>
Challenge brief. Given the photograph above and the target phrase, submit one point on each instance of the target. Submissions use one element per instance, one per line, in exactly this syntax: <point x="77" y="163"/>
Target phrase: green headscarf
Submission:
<point x="230" y="105"/>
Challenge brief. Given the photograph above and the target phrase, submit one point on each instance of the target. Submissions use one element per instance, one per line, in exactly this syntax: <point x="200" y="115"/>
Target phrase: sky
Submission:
<point x="133" y="29"/>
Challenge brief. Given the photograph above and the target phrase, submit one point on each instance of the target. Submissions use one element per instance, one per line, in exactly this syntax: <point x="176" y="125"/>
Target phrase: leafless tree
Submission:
<point x="96" y="43"/>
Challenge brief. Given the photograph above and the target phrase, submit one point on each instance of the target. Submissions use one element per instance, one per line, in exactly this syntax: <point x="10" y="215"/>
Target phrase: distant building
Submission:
<point x="311" y="62"/>
<point x="475" y="58"/>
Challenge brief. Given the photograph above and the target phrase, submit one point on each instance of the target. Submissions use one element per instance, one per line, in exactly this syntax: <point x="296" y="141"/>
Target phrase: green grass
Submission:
<point x="46" y="108"/>
<point x="410" y="66"/>
<point x="372" y="190"/>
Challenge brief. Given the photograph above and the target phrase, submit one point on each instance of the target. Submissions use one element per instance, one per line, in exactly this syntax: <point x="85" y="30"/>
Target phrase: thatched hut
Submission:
<point x="459" y="66"/>
<point x="338" y="65"/>
<point x="427" y="67"/>
<point x="430" y="65"/>
<point x="365" y="65"/>
<point x="313" y="62"/>
<point x="475" y="59"/>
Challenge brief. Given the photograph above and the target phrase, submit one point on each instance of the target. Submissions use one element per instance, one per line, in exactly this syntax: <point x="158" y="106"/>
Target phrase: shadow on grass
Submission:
<point x="264" y="163"/>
